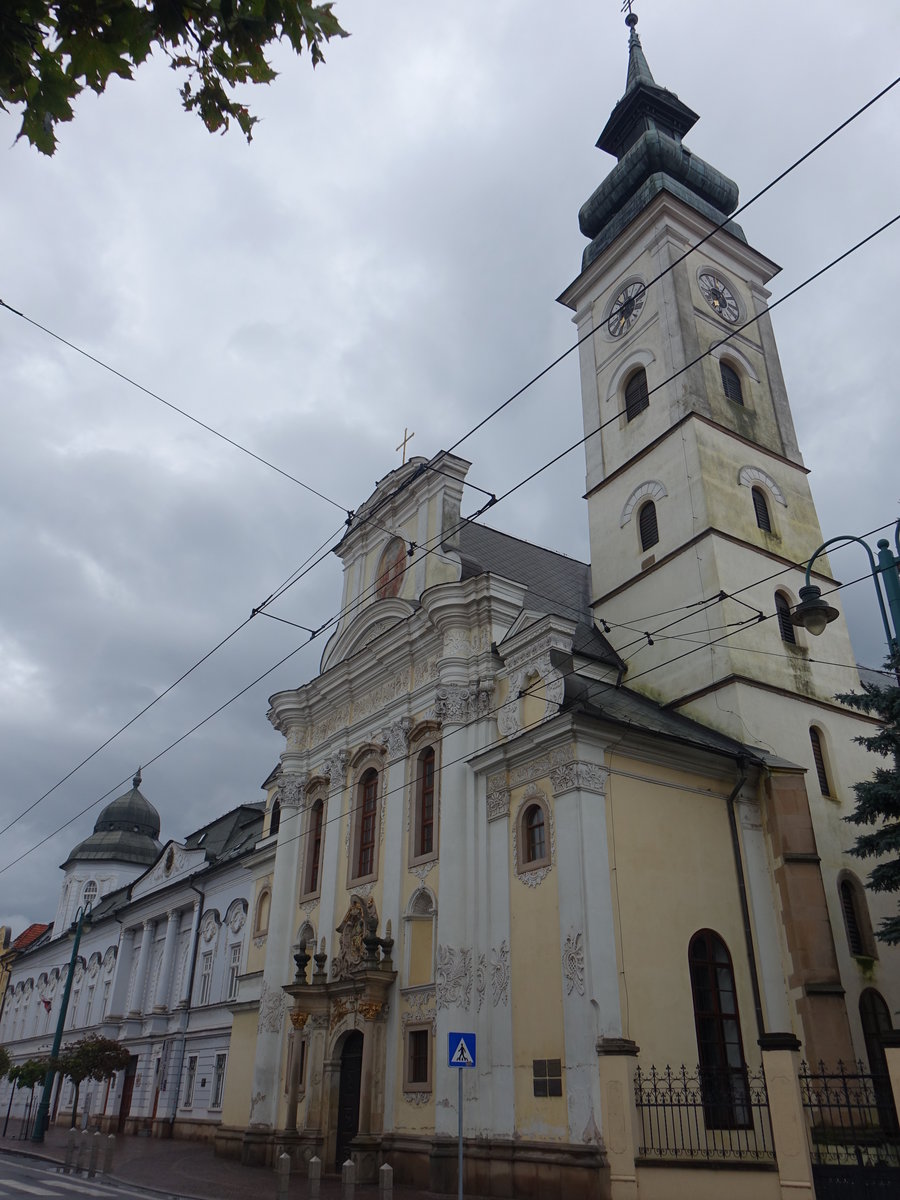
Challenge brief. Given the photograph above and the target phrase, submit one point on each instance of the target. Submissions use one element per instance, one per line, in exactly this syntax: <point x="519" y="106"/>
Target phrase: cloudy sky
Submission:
<point x="385" y="254"/>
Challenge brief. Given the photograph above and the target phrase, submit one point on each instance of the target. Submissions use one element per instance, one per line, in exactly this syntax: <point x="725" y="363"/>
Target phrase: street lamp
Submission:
<point x="37" y="1133"/>
<point x="813" y="613"/>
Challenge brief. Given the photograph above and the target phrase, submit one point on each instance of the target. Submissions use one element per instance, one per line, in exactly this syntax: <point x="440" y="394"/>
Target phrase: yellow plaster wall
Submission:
<point x="710" y="1183"/>
<point x="239" y="1077"/>
<point x="659" y="836"/>
<point x="421" y="954"/>
<point x="256" y="955"/>
<point x="534" y="701"/>
<point x="536" y="988"/>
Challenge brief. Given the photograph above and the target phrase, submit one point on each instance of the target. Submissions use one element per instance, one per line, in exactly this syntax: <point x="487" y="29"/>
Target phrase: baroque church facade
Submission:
<point x="505" y="806"/>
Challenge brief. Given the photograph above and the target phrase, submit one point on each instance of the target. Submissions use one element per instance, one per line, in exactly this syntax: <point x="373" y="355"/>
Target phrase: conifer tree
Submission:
<point x="878" y="798"/>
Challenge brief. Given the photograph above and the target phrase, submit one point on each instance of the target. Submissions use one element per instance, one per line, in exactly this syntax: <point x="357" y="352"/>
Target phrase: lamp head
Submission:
<point x="813" y="613"/>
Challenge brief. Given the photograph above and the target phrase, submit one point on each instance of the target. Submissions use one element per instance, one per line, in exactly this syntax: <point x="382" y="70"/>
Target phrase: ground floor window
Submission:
<point x="189" y="1080"/>
<point x="218" y="1089"/>
<point x="417" y="1075"/>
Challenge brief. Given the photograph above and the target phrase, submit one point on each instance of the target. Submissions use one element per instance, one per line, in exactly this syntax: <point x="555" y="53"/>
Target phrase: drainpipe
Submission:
<point x="195" y="936"/>
<point x="742" y="894"/>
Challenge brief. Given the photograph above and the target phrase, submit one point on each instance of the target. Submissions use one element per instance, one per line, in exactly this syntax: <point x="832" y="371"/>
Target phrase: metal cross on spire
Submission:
<point x="407" y="437"/>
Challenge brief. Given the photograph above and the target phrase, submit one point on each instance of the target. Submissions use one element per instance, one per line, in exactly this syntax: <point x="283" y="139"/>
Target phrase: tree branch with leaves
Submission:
<point x="90" y="1058"/>
<point x="51" y="50"/>
<point x="878" y="798"/>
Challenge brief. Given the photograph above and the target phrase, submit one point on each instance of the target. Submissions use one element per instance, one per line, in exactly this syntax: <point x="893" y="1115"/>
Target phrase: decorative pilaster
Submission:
<point x="140" y="979"/>
<point x="124" y="960"/>
<point x="184" y="999"/>
<point x="164" y="982"/>
<point x="394" y="801"/>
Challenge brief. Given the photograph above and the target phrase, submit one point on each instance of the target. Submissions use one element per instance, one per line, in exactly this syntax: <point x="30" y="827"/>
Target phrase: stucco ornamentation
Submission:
<point x="540" y="766"/>
<point x="396" y="738"/>
<point x="236" y="915"/>
<point x="381" y="697"/>
<point x="480" y="980"/>
<point x="209" y="926"/>
<point x="417" y="1098"/>
<point x="340" y="1008"/>
<point x="458" y="703"/>
<point x="453" y="984"/>
<point x="427" y="670"/>
<point x="109" y="959"/>
<point x="500" y="975"/>
<point x="578" y="776"/>
<point x="497" y="798"/>
<point x="335" y="768"/>
<point x="271" y="1009"/>
<point x="369" y="1010"/>
<point x="293" y="791"/>
<point x="422" y="870"/>
<point x="421" y="1008"/>
<point x="299" y="1019"/>
<point x="538" y="672"/>
<point x="573" y="963"/>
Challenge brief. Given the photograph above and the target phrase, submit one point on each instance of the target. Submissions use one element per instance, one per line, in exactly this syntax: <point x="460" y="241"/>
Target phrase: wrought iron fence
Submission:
<point x="852" y="1118"/>
<point x="704" y="1114"/>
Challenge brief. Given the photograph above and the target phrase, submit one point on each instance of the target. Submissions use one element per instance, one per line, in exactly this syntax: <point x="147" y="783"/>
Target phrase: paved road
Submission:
<point x="25" y="1180"/>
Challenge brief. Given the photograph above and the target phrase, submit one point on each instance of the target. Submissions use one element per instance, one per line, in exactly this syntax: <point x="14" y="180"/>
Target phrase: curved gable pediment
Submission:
<point x="375" y="620"/>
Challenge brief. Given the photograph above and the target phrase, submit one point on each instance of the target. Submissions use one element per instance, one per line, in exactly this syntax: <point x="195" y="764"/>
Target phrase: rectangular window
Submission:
<point x="366" y="859"/>
<point x="218" y="1090"/>
<point x="206" y="977"/>
<point x="73" y="1009"/>
<point x="106" y="989"/>
<point x="234" y="970"/>
<point x="417" y="1076"/>
<point x="90" y="1006"/>
<point x="426" y="805"/>
<point x="547" y="1076"/>
<point x="189" y="1080"/>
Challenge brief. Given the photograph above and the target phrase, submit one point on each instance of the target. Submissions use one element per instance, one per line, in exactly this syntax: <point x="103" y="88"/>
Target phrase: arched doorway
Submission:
<point x="348" y="1096"/>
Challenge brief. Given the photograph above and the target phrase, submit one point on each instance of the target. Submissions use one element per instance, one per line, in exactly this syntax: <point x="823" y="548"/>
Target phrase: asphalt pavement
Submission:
<point x="178" y="1170"/>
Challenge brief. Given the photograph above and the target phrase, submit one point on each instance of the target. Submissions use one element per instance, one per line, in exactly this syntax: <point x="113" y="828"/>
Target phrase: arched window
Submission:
<point x="314" y="848"/>
<point x="875" y="1017"/>
<point x="275" y="819"/>
<point x="263" y="908"/>
<point x="761" y="508"/>
<point x="89" y="895"/>
<point x="636" y="394"/>
<point x="535" y="834"/>
<point x="723" y="1072"/>
<point x="648" y="529"/>
<point x="731" y="383"/>
<point x="425" y="842"/>
<point x="783" y="615"/>
<point x="857" y="925"/>
<point x="819" y="758"/>
<point x="367" y="822"/>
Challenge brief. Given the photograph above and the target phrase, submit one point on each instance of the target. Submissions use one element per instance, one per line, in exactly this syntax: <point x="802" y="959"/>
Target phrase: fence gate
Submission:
<point x="854" y="1135"/>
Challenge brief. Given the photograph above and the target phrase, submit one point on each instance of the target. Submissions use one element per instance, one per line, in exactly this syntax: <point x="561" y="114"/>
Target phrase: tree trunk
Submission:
<point x="75" y="1104"/>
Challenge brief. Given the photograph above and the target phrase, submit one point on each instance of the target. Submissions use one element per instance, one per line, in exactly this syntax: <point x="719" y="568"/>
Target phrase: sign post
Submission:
<point x="461" y="1055"/>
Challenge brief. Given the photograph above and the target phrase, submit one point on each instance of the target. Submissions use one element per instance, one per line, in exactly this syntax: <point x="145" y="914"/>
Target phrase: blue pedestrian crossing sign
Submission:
<point x="461" y="1050"/>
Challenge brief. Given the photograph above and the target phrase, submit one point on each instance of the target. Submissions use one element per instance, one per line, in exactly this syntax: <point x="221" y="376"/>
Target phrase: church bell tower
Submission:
<point x="698" y="499"/>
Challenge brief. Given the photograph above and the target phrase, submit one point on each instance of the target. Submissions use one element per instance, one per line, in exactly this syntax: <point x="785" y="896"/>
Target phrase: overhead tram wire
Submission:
<point x="401" y="787"/>
<point x="671" y="266"/>
<point x="493" y="500"/>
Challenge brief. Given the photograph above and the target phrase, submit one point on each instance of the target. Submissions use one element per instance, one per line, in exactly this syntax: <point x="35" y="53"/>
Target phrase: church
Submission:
<point x="585" y="812"/>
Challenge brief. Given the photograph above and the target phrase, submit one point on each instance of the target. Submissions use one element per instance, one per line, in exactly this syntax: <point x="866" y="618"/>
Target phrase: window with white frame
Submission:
<point x="106" y="990"/>
<point x="189" y="1081"/>
<point x="206" y="966"/>
<point x="218" y="1088"/>
<point x="73" y="1008"/>
<point x="234" y="970"/>
<point x="90" y="1005"/>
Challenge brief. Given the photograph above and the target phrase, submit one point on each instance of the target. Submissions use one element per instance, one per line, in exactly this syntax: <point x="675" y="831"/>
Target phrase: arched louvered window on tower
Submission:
<point x="819" y="758"/>
<point x="761" y="509"/>
<point x="731" y="383"/>
<point x="783" y="614"/>
<point x="648" y="528"/>
<point x="636" y="394"/>
<point x="855" y="911"/>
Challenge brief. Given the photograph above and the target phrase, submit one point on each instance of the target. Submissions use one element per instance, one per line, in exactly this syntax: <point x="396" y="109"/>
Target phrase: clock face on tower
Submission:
<point x="626" y="308"/>
<point x="717" y="295"/>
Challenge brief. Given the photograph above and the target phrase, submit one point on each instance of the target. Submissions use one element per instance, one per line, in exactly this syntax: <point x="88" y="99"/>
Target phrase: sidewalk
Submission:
<point x="190" y="1169"/>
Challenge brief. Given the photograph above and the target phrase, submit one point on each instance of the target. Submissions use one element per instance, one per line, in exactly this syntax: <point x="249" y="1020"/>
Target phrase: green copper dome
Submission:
<point x="644" y="132"/>
<point x="127" y="830"/>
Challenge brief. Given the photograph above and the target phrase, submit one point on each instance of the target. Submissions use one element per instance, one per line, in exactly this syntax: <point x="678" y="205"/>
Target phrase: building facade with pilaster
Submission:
<point x="161" y="950"/>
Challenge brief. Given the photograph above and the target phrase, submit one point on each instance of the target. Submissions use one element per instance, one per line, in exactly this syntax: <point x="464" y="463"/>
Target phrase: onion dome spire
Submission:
<point x="644" y="132"/>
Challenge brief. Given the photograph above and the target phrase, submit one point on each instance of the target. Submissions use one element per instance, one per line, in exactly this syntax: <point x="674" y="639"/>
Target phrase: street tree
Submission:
<point x="90" y="1058"/>
<point x="4" y="1061"/>
<point x="878" y="798"/>
<point x="51" y="50"/>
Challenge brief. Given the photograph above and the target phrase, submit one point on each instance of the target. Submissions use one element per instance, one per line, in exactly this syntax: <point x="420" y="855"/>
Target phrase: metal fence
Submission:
<point x="852" y="1119"/>
<point x="704" y="1114"/>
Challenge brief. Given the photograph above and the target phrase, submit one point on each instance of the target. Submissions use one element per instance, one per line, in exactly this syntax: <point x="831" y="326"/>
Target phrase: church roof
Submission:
<point x="127" y="830"/>
<point x="29" y="936"/>
<point x="230" y="834"/>
<point x="644" y="133"/>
